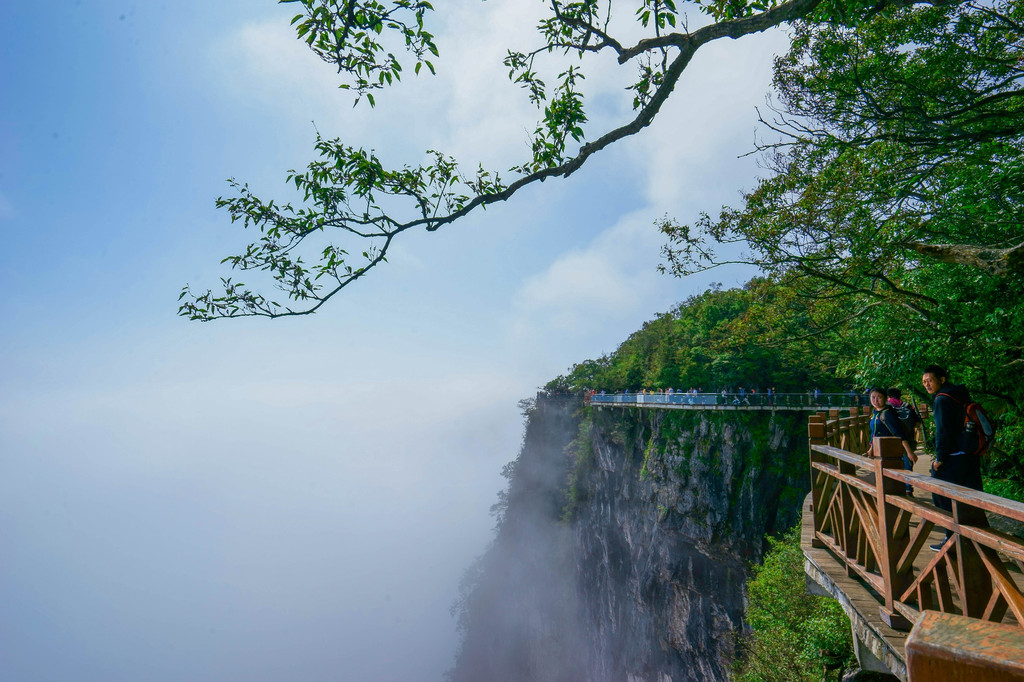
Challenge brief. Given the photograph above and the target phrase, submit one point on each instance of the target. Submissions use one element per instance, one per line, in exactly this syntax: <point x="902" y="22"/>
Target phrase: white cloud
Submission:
<point x="595" y="288"/>
<point x="489" y="119"/>
<point x="685" y="162"/>
<point x="265" y="60"/>
<point x="690" y="154"/>
<point x="469" y="109"/>
<point x="688" y="157"/>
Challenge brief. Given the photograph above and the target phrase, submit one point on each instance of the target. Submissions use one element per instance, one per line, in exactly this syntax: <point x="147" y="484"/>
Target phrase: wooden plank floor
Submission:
<point x="859" y="601"/>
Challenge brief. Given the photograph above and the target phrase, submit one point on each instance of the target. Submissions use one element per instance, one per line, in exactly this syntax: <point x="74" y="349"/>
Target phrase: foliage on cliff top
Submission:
<point x="794" y="635"/>
<point x="719" y="339"/>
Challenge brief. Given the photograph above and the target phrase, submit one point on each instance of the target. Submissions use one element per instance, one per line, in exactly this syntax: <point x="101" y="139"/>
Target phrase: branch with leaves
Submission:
<point x="347" y="192"/>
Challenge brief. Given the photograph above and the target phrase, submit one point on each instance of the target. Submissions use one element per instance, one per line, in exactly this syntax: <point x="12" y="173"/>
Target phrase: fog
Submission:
<point x="292" y="499"/>
<point x="519" y="606"/>
<point x="253" y="528"/>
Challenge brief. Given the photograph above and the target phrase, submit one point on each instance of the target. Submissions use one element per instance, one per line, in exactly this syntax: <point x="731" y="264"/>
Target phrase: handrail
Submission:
<point x="863" y="515"/>
<point x="809" y="399"/>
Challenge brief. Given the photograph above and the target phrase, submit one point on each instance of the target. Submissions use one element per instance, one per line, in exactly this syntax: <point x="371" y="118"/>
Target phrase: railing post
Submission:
<point x="850" y="533"/>
<point x="976" y="580"/>
<point x="816" y="436"/>
<point x="857" y="438"/>
<point x="888" y="453"/>
<point x="864" y="423"/>
<point x="829" y="431"/>
<point x="944" y="646"/>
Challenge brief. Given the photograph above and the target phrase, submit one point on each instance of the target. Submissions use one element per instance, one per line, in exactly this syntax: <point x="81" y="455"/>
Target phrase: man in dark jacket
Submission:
<point x="951" y="463"/>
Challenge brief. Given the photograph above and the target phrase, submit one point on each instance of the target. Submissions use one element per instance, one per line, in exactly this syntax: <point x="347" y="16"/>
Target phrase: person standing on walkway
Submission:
<point x="952" y="463"/>
<point x="885" y="422"/>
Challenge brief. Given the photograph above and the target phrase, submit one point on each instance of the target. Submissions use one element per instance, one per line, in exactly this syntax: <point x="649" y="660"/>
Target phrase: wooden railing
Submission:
<point x="880" y="534"/>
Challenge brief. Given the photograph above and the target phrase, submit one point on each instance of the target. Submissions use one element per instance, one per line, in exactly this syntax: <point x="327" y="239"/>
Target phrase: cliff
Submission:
<point x="622" y="543"/>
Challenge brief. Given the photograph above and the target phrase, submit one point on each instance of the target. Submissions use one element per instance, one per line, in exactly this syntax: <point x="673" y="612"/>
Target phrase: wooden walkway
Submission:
<point x="880" y="648"/>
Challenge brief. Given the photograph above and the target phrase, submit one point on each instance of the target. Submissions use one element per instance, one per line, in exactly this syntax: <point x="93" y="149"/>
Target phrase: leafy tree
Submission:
<point x="713" y="341"/>
<point x="906" y="128"/>
<point x="349" y="194"/>
<point x="894" y="208"/>
<point x="794" y="635"/>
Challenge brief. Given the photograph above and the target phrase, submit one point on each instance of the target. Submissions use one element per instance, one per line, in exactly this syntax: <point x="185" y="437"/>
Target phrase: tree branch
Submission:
<point x="995" y="261"/>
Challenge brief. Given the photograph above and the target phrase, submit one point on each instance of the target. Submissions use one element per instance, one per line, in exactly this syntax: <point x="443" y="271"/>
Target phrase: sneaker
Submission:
<point x="938" y="545"/>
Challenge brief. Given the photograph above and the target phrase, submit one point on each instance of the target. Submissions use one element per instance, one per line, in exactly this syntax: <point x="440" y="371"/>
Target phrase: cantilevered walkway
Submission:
<point x="811" y="401"/>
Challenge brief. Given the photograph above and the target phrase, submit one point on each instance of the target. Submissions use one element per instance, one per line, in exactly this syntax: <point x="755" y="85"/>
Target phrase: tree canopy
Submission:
<point x="352" y="206"/>
<point x="892" y="215"/>
<point x="720" y="339"/>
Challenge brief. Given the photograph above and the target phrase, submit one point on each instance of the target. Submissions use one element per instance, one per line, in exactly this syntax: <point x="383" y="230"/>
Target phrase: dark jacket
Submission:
<point x="885" y="422"/>
<point x="950" y="413"/>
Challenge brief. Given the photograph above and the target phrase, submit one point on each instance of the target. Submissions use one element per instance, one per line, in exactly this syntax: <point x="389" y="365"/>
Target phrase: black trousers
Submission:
<point x="963" y="470"/>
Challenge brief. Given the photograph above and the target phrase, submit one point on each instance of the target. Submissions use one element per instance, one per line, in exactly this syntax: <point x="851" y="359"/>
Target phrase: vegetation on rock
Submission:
<point x="794" y="636"/>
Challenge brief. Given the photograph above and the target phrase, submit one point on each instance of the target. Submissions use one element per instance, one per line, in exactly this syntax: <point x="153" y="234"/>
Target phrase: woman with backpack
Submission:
<point x="885" y="422"/>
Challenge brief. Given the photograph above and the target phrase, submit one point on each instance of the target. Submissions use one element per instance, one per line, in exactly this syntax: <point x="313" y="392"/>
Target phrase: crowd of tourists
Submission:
<point x="743" y="396"/>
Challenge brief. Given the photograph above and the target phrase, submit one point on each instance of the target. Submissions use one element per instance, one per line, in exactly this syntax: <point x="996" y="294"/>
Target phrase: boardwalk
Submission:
<point x="866" y="543"/>
<point x="880" y="647"/>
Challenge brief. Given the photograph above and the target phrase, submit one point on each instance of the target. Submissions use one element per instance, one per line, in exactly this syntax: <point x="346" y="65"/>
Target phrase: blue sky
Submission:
<point x="291" y="499"/>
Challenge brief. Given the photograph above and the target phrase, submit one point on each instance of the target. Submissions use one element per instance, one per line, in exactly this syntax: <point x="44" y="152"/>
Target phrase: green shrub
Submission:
<point x="1010" y="489"/>
<point x="793" y="635"/>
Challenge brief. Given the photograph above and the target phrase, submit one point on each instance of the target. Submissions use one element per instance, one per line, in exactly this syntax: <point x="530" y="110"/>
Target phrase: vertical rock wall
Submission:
<point x="623" y="549"/>
<point x="676" y="505"/>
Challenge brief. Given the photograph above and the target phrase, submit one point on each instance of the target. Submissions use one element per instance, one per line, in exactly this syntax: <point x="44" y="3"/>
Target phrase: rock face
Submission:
<point x="622" y="552"/>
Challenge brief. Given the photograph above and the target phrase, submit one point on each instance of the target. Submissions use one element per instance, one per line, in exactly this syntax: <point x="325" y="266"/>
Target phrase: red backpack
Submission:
<point x="978" y="430"/>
